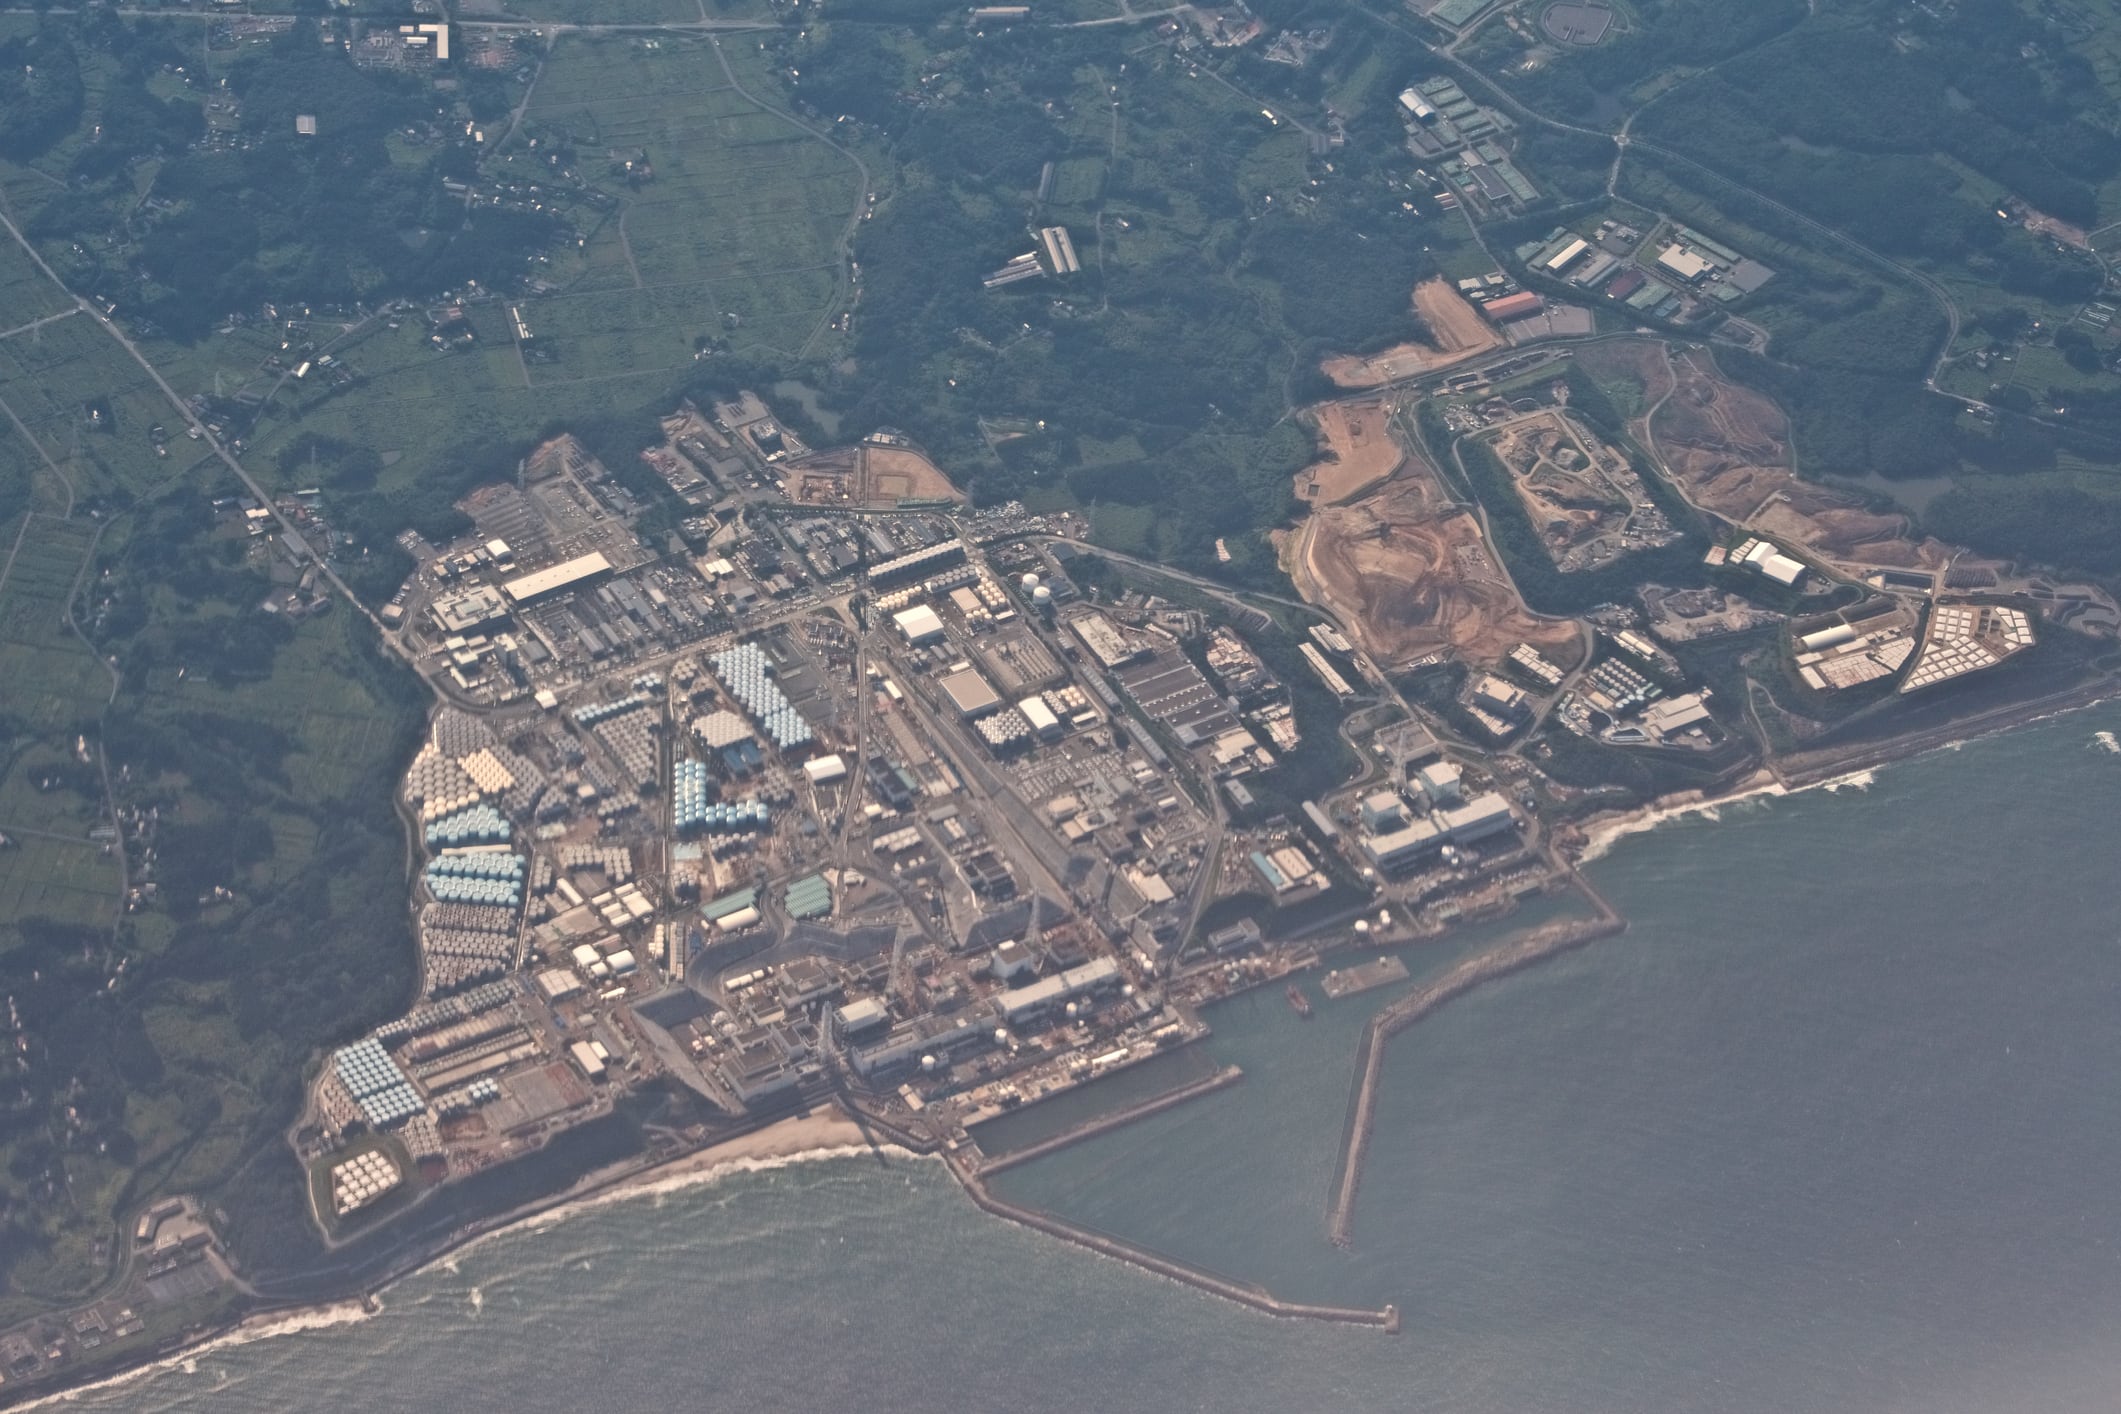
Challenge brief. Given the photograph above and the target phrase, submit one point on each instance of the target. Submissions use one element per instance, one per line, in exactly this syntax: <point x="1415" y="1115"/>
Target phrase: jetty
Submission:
<point x="1347" y="981"/>
<point x="1105" y="1244"/>
<point x="1528" y="948"/>
<point x="1104" y="1124"/>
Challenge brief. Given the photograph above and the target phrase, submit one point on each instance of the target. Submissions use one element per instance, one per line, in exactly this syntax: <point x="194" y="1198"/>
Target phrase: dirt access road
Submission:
<point x="1456" y="330"/>
<point x="1360" y="451"/>
<point x="1727" y="449"/>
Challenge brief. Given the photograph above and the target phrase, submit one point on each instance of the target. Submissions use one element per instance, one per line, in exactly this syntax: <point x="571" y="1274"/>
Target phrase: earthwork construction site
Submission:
<point x="1360" y="451"/>
<point x="1404" y="566"/>
<point x="1588" y="502"/>
<point x="1456" y="333"/>
<point x="1727" y="449"/>
<point x="866" y="475"/>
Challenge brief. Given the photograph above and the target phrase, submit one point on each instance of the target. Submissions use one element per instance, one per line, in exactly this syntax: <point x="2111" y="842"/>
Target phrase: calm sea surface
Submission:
<point x="1836" y="1126"/>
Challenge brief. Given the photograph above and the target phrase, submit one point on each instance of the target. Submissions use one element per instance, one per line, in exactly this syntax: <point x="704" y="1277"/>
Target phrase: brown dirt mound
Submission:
<point x="1728" y="449"/>
<point x="1455" y="326"/>
<point x="899" y="473"/>
<point x="1411" y="574"/>
<point x="1359" y="451"/>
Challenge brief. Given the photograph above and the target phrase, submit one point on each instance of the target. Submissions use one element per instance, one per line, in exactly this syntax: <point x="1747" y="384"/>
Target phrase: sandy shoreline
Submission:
<point x="1856" y="770"/>
<point x="797" y="1135"/>
<point x="830" y="1132"/>
<point x="824" y="1133"/>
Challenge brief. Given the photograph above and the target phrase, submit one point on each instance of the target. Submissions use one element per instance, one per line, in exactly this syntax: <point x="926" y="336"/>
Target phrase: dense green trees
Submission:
<point x="2058" y="525"/>
<point x="1847" y="424"/>
<point x="40" y="93"/>
<point x="1338" y="282"/>
<point x="1667" y="34"/>
<point x="1162" y="370"/>
<point x="1844" y="123"/>
<point x="851" y="71"/>
<point x="324" y="219"/>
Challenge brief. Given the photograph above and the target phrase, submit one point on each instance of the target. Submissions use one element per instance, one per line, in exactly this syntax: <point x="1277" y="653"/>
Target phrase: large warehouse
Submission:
<point x="568" y="574"/>
<point x="919" y="625"/>
<point x="970" y="694"/>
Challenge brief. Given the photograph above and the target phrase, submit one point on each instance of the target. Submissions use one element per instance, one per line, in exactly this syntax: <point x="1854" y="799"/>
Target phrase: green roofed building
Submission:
<point x="1456" y="13"/>
<point x="809" y="897"/>
<point x="727" y="904"/>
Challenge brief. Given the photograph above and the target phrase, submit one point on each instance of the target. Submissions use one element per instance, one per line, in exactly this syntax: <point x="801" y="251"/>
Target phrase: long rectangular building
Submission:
<point x="1561" y="259"/>
<point x="551" y="580"/>
<point x="1060" y="251"/>
<point x="1061" y="986"/>
<point x="915" y="563"/>
<point x="1327" y="674"/>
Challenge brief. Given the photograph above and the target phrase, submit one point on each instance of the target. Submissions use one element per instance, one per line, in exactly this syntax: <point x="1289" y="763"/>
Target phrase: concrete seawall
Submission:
<point x="1229" y="1075"/>
<point x="1243" y="1293"/>
<point x="1536" y="946"/>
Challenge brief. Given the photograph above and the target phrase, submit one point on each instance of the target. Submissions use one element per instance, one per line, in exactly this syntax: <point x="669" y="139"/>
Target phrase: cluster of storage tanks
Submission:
<point x="693" y="812"/>
<point x="493" y="878"/>
<point x="749" y="678"/>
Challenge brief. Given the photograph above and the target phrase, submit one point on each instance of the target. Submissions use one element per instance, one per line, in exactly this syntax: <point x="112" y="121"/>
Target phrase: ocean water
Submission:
<point x="1835" y="1126"/>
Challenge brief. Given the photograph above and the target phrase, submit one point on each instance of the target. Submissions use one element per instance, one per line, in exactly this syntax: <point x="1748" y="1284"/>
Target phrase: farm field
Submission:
<point x="89" y="408"/>
<point x="734" y="240"/>
<point x="734" y="235"/>
<point x="46" y="789"/>
<point x="53" y="678"/>
<point x="423" y="410"/>
<point x="63" y="881"/>
<point x="25" y="294"/>
<point x="608" y="12"/>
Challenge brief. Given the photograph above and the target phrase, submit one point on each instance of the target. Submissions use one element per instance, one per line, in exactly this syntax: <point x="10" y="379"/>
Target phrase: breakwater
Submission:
<point x="1258" y="1298"/>
<point x="1155" y="1105"/>
<point x="1529" y="948"/>
<point x="1380" y="972"/>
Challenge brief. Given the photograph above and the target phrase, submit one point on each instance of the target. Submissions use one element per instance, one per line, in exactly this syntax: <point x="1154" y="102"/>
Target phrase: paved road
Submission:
<point x="213" y="443"/>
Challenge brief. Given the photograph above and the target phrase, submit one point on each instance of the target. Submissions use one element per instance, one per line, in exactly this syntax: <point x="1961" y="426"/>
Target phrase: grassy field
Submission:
<point x="735" y="235"/>
<point x="315" y="693"/>
<point x="735" y="238"/>
<point x="54" y="679"/>
<point x="607" y="12"/>
<point x="421" y="408"/>
<point x="89" y="406"/>
<point x="1458" y="255"/>
<point x="45" y="789"/>
<point x="63" y="880"/>
<point x="25" y="293"/>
